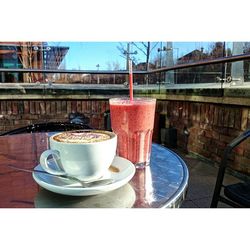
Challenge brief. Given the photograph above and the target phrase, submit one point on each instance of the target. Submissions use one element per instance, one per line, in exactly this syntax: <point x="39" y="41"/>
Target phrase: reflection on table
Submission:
<point x="163" y="184"/>
<point x="123" y="197"/>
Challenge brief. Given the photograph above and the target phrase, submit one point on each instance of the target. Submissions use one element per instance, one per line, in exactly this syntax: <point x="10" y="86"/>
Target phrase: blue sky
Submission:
<point x="86" y="55"/>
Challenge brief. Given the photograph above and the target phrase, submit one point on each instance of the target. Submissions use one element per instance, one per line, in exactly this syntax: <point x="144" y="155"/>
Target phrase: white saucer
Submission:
<point x="69" y="187"/>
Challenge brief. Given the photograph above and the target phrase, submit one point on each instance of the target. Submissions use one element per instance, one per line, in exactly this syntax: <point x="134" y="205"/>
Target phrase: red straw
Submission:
<point x="130" y="81"/>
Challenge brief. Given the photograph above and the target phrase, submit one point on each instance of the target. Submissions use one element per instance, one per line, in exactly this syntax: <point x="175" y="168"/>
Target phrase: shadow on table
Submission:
<point x="123" y="197"/>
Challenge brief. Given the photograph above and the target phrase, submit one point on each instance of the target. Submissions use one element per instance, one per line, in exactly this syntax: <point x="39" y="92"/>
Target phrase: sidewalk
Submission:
<point x="202" y="178"/>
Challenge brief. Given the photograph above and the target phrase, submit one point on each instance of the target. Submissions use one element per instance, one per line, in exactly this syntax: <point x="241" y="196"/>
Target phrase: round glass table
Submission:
<point x="161" y="185"/>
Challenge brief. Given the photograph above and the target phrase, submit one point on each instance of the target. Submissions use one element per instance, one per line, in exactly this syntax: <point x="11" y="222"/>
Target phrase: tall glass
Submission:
<point x="133" y="122"/>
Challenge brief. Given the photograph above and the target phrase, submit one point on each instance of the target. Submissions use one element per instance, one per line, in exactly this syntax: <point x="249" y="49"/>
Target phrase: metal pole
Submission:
<point x="177" y="63"/>
<point x="42" y="61"/>
<point x="98" y="79"/>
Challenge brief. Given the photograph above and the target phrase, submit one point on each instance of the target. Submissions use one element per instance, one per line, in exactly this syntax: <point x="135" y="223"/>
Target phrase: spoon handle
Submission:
<point x="83" y="183"/>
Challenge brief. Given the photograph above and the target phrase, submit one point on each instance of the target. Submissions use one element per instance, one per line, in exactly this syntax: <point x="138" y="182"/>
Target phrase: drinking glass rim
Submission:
<point x="118" y="99"/>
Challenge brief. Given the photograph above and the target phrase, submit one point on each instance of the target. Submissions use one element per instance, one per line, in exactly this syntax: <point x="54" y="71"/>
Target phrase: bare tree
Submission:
<point x="25" y="56"/>
<point x="28" y="57"/>
<point x="113" y="66"/>
<point x="127" y="53"/>
<point x="146" y="49"/>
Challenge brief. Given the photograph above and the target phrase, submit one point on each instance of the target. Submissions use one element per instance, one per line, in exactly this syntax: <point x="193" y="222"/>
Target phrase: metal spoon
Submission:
<point x="84" y="184"/>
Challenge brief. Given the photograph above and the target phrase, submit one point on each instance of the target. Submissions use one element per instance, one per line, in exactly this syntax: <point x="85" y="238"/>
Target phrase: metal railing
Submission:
<point x="221" y="77"/>
<point x="150" y="71"/>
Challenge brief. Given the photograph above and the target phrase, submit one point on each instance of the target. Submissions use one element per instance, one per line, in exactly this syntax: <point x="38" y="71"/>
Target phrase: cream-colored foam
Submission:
<point x="81" y="137"/>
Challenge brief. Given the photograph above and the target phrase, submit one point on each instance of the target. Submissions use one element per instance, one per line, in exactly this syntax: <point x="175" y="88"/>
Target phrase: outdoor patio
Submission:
<point x="203" y="96"/>
<point x="71" y="58"/>
<point x="202" y="178"/>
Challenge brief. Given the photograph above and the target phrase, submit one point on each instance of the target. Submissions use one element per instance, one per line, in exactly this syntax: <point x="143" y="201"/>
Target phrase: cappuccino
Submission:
<point x="87" y="136"/>
<point x="85" y="154"/>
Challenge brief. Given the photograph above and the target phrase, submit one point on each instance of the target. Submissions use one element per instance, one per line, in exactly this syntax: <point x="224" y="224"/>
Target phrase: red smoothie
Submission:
<point x="133" y="122"/>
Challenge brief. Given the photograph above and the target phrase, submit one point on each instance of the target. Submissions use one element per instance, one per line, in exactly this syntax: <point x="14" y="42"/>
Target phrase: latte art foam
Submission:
<point x="81" y="137"/>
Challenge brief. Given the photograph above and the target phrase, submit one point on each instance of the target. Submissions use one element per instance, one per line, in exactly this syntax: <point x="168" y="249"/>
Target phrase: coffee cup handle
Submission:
<point x="56" y="157"/>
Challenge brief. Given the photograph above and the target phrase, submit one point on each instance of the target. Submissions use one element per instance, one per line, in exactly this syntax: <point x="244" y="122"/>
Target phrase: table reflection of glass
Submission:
<point x="163" y="184"/>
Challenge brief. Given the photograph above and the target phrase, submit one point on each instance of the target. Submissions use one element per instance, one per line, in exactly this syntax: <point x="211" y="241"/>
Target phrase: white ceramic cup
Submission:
<point x="84" y="160"/>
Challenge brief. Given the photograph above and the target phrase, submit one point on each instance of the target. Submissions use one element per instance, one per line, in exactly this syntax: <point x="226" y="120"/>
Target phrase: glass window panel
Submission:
<point x="86" y="59"/>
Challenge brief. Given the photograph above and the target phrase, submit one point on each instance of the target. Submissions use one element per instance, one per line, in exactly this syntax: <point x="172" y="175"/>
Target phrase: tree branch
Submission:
<point x="139" y="48"/>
